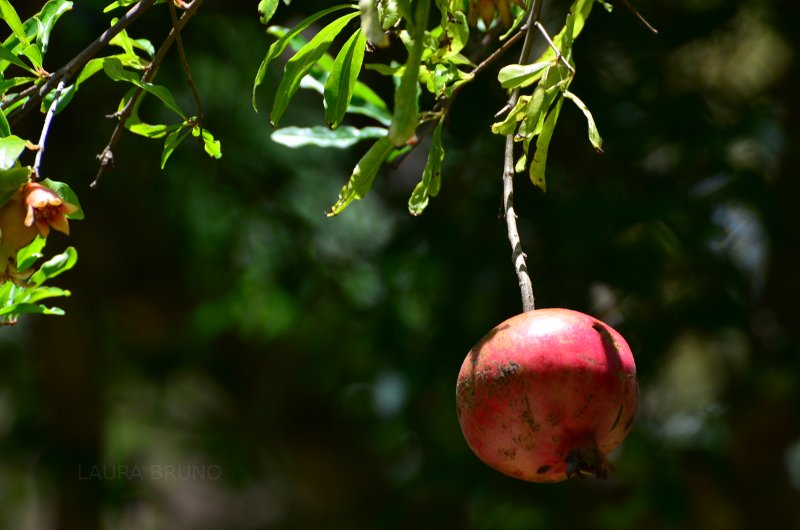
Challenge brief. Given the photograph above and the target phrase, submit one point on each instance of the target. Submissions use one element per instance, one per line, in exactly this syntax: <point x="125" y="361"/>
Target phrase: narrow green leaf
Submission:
<point x="280" y="45"/>
<point x="28" y="255"/>
<point x="5" y="128"/>
<point x="114" y="70"/>
<point x="18" y="309"/>
<point x="431" y="176"/>
<point x="319" y="136"/>
<point x="509" y="124"/>
<point x="266" y="10"/>
<point x="9" y="14"/>
<point x="54" y="266"/>
<point x="41" y="293"/>
<point x="47" y="18"/>
<point x="342" y="79"/>
<point x="521" y="75"/>
<point x="34" y="55"/>
<point x="7" y="55"/>
<point x="11" y="147"/>
<point x="363" y="175"/>
<point x="299" y="65"/>
<point x="172" y="141"/>
<point x="158" y="130"/>
<point x="211" y="145"/>
<point x="406" y="102"/>
<point x="11" y="180"/>
<point x="537" y="169"/>
<point x="594" y="135"/>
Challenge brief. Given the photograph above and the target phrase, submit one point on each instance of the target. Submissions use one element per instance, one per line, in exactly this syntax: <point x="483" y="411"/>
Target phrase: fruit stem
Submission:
<point x="517" y="254"/>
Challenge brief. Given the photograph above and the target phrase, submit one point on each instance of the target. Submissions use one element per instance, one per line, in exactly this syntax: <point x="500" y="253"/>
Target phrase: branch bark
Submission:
<point x="517" y="254"/>
<point x="36" y="93"/>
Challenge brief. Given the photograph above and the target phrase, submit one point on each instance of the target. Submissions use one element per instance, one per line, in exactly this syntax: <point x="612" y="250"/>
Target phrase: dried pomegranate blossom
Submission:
<point x="44" y="208"/>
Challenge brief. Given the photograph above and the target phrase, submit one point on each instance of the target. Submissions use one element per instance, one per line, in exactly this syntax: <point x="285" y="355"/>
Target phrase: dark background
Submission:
<point x="230" y="358"/>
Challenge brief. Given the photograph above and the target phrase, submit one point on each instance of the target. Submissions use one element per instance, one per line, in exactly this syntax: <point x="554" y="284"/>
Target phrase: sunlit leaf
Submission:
<point x="509" y="123"/>
<point x="342" y="79"/>
<point x="299" y="65"/>
<point x="537" y="169"/>
<point x="9" y="14"/>
<point x="594" y="135"/>
<point x="11" y="147"/>
<point x="363" y="175"/>
<point x="18" y="309"/>
<point x="5" y="128"/>
<point x="30" y="254"/>
<point x="173" y="139"/>
<point x="54" y="266"/>
<point x="319" y="136"/>
<point x="431" y="176"/>
<point x="280" y="45"/>
<point x="266" y="10"/>
<point x="406" y="104"/>
<point x="521" y="75"/>
<point x="211" y="145"/>
<point x="114" y="70"/>
<point x="47" y="18"/>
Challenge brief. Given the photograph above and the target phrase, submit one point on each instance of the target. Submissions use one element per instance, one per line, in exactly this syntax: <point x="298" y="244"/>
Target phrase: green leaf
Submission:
<point x="521" y="75"/>
<point x="34" y="55"/>
<point x="280" y="45"/>
<point x="266" y="10"/>
<point x="406" y="102"/>
<point x="54" y="266"/>
<point x="431" y="176"/>
<point x="28" y="255"/>
<point x="212" y="146"/>
<point x="5" y="128"/>
<point x="7" y="55"/>
<point x="43" y="292"/>
<point x="509" y="124"/>
<point x="594" y="135"/>
<point x="63" y="190"/>
<point x="319" y="136"/>
<point x="148" y="130"/>
<point x="363" y="175"/>
<point x="18" y="309"/>
<point x="371" y="23"/>
<point x="172" y="141"/>
<point x="11" y="147"/>
<point x="11" y="180"/>
<point x="114" y="70"/>
<point x="9" y="14"/>
<point x="299" y="65"/>
<point x="47" y="18"/>
<point x="342" y="80"/>
<point x="539" y="161"/>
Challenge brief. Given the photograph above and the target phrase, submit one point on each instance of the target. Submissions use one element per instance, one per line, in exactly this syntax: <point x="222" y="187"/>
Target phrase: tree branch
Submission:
<point x="48" y="119"/>
<point x="36" y="93"/>
<point x="517" y="254"/>
<point x="106" y="157"/>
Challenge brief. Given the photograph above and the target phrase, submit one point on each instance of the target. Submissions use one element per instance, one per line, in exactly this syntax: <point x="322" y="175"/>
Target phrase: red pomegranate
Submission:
<point x="547" y="394"/>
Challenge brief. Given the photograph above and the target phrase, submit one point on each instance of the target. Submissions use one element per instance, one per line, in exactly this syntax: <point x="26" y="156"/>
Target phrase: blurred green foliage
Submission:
<point x="299" y="371"/>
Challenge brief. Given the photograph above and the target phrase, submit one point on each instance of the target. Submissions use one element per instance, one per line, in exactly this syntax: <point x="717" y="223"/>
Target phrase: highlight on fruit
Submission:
<point x="547" y="395"/>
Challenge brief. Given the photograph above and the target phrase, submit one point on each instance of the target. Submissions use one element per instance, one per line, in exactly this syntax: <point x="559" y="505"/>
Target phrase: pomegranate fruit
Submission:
<point x="547" y="394"/>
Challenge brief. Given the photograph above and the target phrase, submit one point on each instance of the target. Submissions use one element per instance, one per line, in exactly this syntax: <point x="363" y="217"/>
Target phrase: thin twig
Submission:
<point x="517" y="254"/>
<point x="640" y="17"/>
<point x="559" y="56"/>
<point x="36" y="93"/>
<point x="185" y="61"/>
<point x="48" y="119"/>
<point x="106" y="157"/>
